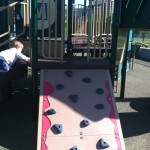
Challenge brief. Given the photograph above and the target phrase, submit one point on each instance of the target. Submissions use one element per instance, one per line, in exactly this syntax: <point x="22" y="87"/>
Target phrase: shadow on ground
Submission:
<point x="137" y="122"/>
<point x="17" y="129"/>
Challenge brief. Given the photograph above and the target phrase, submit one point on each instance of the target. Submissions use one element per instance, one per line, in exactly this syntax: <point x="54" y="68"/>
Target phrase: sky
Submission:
<point x="76" y="1"/>
<point x="79" y="1"/>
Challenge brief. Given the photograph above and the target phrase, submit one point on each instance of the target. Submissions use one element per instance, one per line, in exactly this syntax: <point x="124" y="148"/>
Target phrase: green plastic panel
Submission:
<point x="135" y="14"/>
<point x="122" y="37"/>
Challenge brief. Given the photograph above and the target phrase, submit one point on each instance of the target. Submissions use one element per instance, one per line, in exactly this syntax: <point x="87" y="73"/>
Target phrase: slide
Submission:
<point x="77" y="111"/>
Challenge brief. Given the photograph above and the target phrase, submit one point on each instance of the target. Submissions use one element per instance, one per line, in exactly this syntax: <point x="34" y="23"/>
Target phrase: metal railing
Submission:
<point x="101" y="26"/>
<point x="10" y="8"/>
<point x="53" y="47"/>
<point x="79" y="19"/>
<point x="93" y="21"/>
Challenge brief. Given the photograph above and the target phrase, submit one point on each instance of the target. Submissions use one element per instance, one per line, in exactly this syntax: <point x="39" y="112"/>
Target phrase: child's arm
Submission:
<point x="23" y="57"/>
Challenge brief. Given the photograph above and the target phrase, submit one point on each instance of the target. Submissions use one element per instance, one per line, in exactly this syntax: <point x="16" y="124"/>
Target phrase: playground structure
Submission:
<point x="58" y="60"/>
<point x="93" y="22"/>
<point x="89" y="33"/>
<point x="101" y="18"/>
<point x="92" y="25"/>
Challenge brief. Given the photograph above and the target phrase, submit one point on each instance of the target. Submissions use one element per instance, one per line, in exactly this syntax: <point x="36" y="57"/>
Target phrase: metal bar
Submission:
<point x="107" y="27"/>
<point x="66" y="18"/>
<point x="24" y="16"/>
<point x="42" y="25"/>
<point x="62" y="28"/>
<point x="140" y="9"/>
<point x="69" y="45"/>
<point x="6" y="7"/>
<point x="73" y="16"/>
<point x="84" y="16"/>
<point x="89" y="29"/>
<point x="54" y="53"/>
<point x="101" y="25"/>
<point x="35" y="100"/>
<point x="9" y="30"/>
<point x="124" y="66"/>
<point x="55" y="28"/>
<point x="112" y="10"/>
<point x="6" y="33"/>
<point x="115" y="26"/>
<point x="30" y="40"/>
<point x="49" y="30"/>
<point x="2" y="9"/>
<point x="95" y="26"/>
<point x="73" y="19"/>
<point x="8" y="27"/>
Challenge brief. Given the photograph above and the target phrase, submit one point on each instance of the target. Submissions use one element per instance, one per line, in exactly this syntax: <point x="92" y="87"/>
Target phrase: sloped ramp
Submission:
<point x="77" y="111"/>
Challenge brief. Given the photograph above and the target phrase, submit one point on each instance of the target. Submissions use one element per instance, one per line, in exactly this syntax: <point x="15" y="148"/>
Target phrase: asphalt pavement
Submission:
<point x="19" y="132"/>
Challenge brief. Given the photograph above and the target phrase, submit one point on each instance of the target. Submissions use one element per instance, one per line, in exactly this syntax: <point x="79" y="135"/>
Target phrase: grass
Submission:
<point x="139" y="40"/>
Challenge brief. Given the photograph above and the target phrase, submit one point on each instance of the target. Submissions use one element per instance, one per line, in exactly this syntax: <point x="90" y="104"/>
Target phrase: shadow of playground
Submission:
<point x="137" y="122"/>
<point x="17" y="130"/>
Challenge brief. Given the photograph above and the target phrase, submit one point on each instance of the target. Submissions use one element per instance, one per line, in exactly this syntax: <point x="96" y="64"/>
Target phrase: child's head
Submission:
<point x="16" y="44"/>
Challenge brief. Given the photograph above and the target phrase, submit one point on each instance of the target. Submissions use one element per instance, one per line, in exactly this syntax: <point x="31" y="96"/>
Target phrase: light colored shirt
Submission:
<point x="11" y="55"/>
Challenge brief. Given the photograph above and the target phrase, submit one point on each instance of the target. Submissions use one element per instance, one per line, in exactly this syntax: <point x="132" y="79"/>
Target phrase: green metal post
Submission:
<point x="34" y="59"/>
<point x="124" y="66"/>
<point x="115" y="26"/>
<point x="84" y="3"/>
<point x="69" y="45"/>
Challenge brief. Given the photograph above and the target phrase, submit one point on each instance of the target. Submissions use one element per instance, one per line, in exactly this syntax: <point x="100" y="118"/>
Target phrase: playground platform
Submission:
<point x="19" y="132"/>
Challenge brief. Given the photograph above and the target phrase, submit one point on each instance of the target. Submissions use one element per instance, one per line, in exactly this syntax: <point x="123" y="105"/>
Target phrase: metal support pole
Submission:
<point x="124" y="66"/>
<point x="115" y="26"/>
<point x="69" y="45"/>
<point x="84" y="15"/>
<point x="34" y="59"/>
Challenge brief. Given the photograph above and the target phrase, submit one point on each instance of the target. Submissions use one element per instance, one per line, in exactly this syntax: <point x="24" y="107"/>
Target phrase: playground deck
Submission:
<point x="18" y="131"/>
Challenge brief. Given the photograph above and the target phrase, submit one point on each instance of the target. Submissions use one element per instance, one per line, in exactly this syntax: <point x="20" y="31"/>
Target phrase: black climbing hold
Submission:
<point x="50" y="112"/>
<point x="86" y="80"/>
<point x="74" y="148"/>
<point x="86" y="122"/>
<point x="74" y="98"/>
<point x="103" y="144"/>
<point x="59" y="86"/>
<point x="99" y="91"/>
<point x="58" y="127"/>
<point x="69" y="73"/>
<point x="99" y="106"/>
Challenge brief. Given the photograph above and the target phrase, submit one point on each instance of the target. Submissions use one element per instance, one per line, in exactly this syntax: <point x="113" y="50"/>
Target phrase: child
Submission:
<point x="10" y="56"/>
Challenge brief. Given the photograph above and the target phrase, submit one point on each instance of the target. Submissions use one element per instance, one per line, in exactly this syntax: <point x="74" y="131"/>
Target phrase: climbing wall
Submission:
<point x="77" y="111"/>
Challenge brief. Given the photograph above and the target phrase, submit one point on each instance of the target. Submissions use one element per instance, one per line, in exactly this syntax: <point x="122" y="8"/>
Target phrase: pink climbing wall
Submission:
<point x="74" y="95"/>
